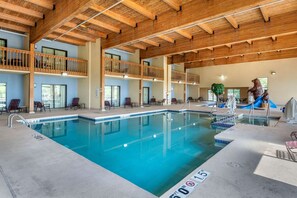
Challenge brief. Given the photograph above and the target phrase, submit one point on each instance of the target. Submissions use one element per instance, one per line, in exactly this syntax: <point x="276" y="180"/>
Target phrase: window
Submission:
<point x="57" y="62"/>
<point x="3" y="43"/>
<point x="146" y="63"/>
<point x="2" y="95"/>
<point x="211" y="96"/>
<point x="54" y="95"/>
<point x="233" y="92"/>
<point x="112" y="94"/>
<point x="264" y="83"/>
<point x="112" y="66"/>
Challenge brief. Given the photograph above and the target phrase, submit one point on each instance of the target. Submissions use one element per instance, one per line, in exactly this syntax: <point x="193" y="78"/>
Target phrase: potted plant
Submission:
<point x="217" y="89"/>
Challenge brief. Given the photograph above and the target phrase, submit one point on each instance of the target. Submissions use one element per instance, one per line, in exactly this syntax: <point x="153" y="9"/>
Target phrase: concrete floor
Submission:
<point x="247" y="167"/>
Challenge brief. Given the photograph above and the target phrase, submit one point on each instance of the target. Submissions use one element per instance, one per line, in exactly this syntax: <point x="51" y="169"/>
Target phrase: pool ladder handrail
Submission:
<point x="10" y="120"/>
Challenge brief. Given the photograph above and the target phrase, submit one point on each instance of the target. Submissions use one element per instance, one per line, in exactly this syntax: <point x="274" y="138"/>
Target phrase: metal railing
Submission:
<point x="10" y="120"/>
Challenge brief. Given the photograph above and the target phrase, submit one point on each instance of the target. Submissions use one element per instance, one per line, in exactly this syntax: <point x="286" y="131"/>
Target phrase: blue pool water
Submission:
<point x="152" y="151"/>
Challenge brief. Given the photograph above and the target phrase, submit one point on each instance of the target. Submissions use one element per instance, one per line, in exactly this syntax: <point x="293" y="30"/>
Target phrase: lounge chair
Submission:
<point x="128" y="102"/>
<point x="14" y="105"/>
<point x="107" y="105"/>
<point x="190" y="99"/>
<point x="153" y="101"/>
<point x="294" y="135"/>
<point x="39" y="105"/>
<point x="173" y="101"/>
<point x="292" y="149"/>
<point x="74" y="104"/>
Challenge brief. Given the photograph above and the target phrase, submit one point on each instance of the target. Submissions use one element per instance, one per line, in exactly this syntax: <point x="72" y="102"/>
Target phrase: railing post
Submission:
<point x="31" y="78"/>
<point x="102" y="80"/>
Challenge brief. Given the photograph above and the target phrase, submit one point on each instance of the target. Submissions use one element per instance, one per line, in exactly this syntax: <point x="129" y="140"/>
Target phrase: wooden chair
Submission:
<point x="128" y="102"/>
<point x="14" y="105"/>
<point x="107" y="105"/>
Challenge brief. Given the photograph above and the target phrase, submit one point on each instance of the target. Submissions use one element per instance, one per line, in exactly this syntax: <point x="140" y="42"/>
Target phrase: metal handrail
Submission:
<point x="10" y="120"/>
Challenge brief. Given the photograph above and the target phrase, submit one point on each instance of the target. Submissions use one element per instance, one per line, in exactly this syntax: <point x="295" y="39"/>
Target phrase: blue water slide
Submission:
<point x="258" y="104"/>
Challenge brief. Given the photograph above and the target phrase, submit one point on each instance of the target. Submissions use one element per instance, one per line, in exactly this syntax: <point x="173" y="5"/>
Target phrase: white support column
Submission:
<point x="168" y="86"/>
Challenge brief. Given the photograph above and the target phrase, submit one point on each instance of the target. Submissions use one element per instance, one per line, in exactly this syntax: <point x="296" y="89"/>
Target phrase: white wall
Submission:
<point x="281" y="86"/>
<point x="193" y="91"/>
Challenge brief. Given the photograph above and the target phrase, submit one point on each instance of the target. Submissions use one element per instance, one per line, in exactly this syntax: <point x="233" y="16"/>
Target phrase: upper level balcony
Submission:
<point x="19" y="60"/>
<point x="184" y="78"/>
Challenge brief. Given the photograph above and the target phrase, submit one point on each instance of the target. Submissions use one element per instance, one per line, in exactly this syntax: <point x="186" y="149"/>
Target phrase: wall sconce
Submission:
<point x="154" y="79"/>
<point x="125" y="76"/>
<point x="64" y="74"/>
<point x="273" y="73"/>
<point x="194" y="83"/>
<point x="179" y="82"/>
<point x="222" y="77"/>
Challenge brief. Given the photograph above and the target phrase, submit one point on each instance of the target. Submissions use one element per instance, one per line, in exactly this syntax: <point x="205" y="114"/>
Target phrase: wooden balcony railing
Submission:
<point x="193" y="78"/>
<point x="178" y="77"/>
<point x="153" y="72"/>
<point x="14" y="59"/>
<point x="47" y="63"/>
<point x="120" y="68"/>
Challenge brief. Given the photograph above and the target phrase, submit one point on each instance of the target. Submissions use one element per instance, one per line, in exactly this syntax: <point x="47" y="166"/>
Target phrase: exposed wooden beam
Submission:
<point x="14" y="27"/>
<point x="166" y="38"/>
<point x="229" y="45"/>
<point x="114" y="15"/>
<point x="86" y="30"/>
<point x="264" y="45"/>
<point x="48" y="4"/>
<point x="126" y="48"/>
<point x="139" y="46"/>
<point x="16" y="19"/>
<point x="249" y="31"/>
<point x="75" y="35"/>
<point x="264" y="14"/>
<point x="291" y="53"/>
<point x="20" y="9"/>
<point x="56" y="18"/>
<point x="67" y="39"/>
<point x="169" y="21"/>
<point x="140" y="9"/>
<point x="153" y="43"/>
<point x="274" y="38"/>
<point x="206" y="28"/>
<point x="175" y="4"/>
<point x="232" y="21"/>
<point x="99" y="23"/>
<point x="210" y="48"/>
<point x="249" y="42"/>
<point x="184" y="34"/>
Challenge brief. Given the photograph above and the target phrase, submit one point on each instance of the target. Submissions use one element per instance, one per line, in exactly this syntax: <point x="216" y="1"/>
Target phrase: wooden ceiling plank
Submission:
<point x="175" y="4"/>
<point x="20" y="9"/>
<point x="114" y="15"/>
<point x="56" y="18"/>
<point x="48" y="4"/>
<point x="291" y="53"/>
<point x="76" y="35"/>
<point x="140" y="9"/>
<point x="89" y="31"/>
<point x="264" y="14"/>
<point x="99" y="23"/>
<point x="232" y="21"/>
<point x="248" y="31"/>
<point x="66" y="40"/>
<point x="166" y="38"/>
<point x="16" y="19"/>
<point x="126" y="48"/>
<point x="229" y="45"/>
<point x="153" y="43"/>
<point x="249" y="42"/>
<point x="206" y="28"/>
<point x="184" y="34"/>
<point x="262" y="46"/>
<point x="14" y="27"/>
<point x="274" y="38"/>
<point x="139" y="46"/>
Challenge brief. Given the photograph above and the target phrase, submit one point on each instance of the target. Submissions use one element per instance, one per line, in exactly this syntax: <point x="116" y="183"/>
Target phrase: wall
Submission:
<point x="281" y="86"/>
<point x="130" y="57"/>
<point x="149" y="84"/>
<point x="72" y="50"/>
<point x="157" y="90"/>
<point x="59" y="80"/>
<point x="14" y="86"/>
<point x="13" y="41"/>
<point x="178" y="91"/>
<point x="134" y="90"/>
<point x="119" y="82"/>
<point x="193" y="91"/>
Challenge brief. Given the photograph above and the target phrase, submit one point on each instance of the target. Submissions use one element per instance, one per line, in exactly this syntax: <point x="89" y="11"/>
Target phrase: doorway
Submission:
<point x="54" y="95"/>
<point x="2" y="96"/>
<point x="146" y="95"/>
<point x="112" y="94"/>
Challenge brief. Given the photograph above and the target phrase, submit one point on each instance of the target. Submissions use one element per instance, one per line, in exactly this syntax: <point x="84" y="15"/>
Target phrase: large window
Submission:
<point x="233" y="92"/>
<point x="264" y="83"/>
<point x="112" y="66"/>
<point x="112" y="94"/>
<point x="3" y="43"/>
<point x="57" y="62"/>
<point x="211" y="96"/>
<point x="54" y="95"/>
<point x="2" y="95"/>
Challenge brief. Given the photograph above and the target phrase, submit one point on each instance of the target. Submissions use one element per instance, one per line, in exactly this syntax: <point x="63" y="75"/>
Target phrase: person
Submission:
<point x="265" y="96"/>
<point x="257" y="89"/>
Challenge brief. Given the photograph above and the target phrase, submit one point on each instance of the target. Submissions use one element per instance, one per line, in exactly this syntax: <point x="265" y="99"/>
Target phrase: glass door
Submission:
<point x="112" y="94"/>
<point x="2" y="96"/>
<point x="54" y="95"/>
<point x="146" y="95"/>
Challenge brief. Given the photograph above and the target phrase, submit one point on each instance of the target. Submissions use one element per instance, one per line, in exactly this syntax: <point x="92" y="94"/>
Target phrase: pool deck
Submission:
<point x="247" y="167"/>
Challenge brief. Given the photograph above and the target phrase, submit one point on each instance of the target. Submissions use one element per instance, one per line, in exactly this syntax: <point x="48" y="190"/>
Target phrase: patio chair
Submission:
<point x="173" y="101"/>
<point x="74" y="104"/>
<point x="161" y="102"/>
<point x="39" y="105"/>
<point x="14" y="105"/>
<point x="107" y="105"/>
<point x="190" y="99"/>
<point x="128" y="102"/>
<point x="152" y="101"/>
<point x="292" y="149"/>
<point x="294" y="135"/>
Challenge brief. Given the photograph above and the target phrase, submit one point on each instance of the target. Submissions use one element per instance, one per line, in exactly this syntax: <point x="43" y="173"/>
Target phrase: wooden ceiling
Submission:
<point x="195" y="32"/>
